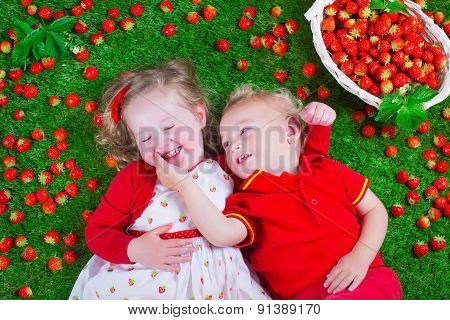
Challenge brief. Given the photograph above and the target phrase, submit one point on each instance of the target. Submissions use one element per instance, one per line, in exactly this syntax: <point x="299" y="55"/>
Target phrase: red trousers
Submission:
<point x="380" y="283"/>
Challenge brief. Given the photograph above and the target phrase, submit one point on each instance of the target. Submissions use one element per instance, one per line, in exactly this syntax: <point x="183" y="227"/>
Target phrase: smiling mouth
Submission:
<point x="172" y="153"/>
<point x="243" y="158"/>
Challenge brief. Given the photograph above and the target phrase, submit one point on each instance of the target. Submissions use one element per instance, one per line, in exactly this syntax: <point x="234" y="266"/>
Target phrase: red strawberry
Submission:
<point x="445" y="149"/>
<point x="37" y="134"/>
<point x="29" y="91"/>
<point x="442" y="166"/>
<point x="424" y="127"/>
<point x="29" y="254"/>
<point x="397" y="210"/>
<point x="437" y="243"/>
<point x="87" y="4"/>
<point x="391" y="151"/>
<point x="358" y="116"/>
<point x="434" y="214"/>
<point x="439" y="140"/>
<point x="57" y="167"/>
<point x="49" y="206"/>
<point x="250" y="11"/>
<point x="24" y="292"/>
<point x="54" y="264"/>
<point x="86" y="215"/>
<point x="98" y="120"/>
<point x="5" y="244"/>
<point x="280" y="75"/>
<point x="61" y="198"/>
<point x="168" y="30"/>
<point x="23" y="145"/>
<point x="222" y="45"/>
<point x="275" y="12"/>
<point x="193" y="17"/>
<point x="303" y="92"/>
<point x="420" y="249"/>
<point x="209" y="13"/>
<point x="42" y="195"/>
<point x="242" y="64"/>
<point x="10" y="174"/>
<point x="15" y="74"/>
<point x="53" y="152"/>
<point x="108" y="26"/>
<point x="45" y="178"/>
<point x="3" y="208"/>
<point x="9" y="141"/>
<point x="323" y="93"/>
<point x="413" y="142"/>
<point x="76" y="173"/>
<point x="429" y="154"/>
<point x="245" y="23"/>
<point x="368" y="130"/>
<point x="70" y="164"/>
<point x="445" y="113"/>
<point x="268" y="40"/>
<point x="279" y="31"/>
<point x="97" y="38"/>
<point x="113" y="13"/>
<point x="72" y="100"/>
<point x="90" y="73"/>
<point x="440" y="202"/>
<point x="71" y="189"/>
<point x="423" y="222"/>
<point x="388" y="132"/>
<point x="70" y="240"/>
<point x="69" y="256"/>
<point x="36" y="67"/>
<point x="16" y="217"/>
<point x="4" y="262"/>
<point x="136" y="10"/>
<point x="82" y="55"/>
<point x="9" y="161"/>
<point x="5" y="196"/>
<point x="291" y="26"/>
<point x="166" y="6"/>
<point x="80" y="27"/>
<point x="76" y="11"/>
<point x="412" y="198"/>
<point x="51" y="237"/>
<point x="20" y="241"/>
<point x="413" y="183"/>
<point x="309" y="70"/>
<point x="328" y="24"/>
<point x="18" y="115"/>
<point x="30" y="199"/>
<point x="431" y="193"/>
<point x="280" y="47"/>
<point x="255" y="42"/>
<point x="54" y="101"/>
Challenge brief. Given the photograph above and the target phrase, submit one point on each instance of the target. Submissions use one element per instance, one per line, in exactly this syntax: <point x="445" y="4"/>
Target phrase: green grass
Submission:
<point x="145" y="46"/>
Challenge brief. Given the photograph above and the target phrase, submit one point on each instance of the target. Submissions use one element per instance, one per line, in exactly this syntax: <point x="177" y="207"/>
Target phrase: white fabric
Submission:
<point x="213" y="273"/>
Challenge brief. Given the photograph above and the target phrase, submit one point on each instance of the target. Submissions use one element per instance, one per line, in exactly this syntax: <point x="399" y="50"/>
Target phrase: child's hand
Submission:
<point x="170" y="175"/>
<point x="351" y="269"/>
<point x="156" y="253"/>
<point x="316" y="113"/>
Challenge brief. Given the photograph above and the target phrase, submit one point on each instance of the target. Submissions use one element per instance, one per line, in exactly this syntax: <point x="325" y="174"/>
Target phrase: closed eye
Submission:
<point x="243" y="130"/>
<point x="168" y="128"/>
<point x="145" y="140"/>
<point x="226" y="144"/>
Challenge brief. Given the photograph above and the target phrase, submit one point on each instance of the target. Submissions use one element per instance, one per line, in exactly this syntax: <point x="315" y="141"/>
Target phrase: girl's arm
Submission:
<point x="352" y="268"/>
<point x="210" y="221"/>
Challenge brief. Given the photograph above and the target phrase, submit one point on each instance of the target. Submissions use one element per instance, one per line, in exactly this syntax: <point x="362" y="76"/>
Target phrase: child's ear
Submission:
<point x="293" y="129"/>
<point x="200" y="111"/>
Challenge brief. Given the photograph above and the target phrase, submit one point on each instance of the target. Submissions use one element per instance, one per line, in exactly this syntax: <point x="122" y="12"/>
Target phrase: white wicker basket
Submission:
<point x="432" y="33"/>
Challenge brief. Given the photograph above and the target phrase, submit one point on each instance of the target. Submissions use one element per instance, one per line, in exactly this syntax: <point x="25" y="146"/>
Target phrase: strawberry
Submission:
<point x="5" y="196"/>
<point x="76" y="11"/>
<point x="434" y="214"/>
<point x="16" y="217"/>
<point x="5" y="244"/>
<point x="368" y="130"/>
<point x="309" y="70"/>
<point x="382" y="25"/>
<point x="168" y="30"/>
<point x="23" y="145"/>
<point x="15" y="74"/>
<point x="209" y="13"/>
<point x="136" y="10"/>
<point x="29" y="91"/>
<point x="86" y="215"/>
<point x="268" y="40"/>
<point x="222" y="45"/>
<point x="437" y="243"/>
<point x="280" y="75"/>
<point x="69" y="256"/>
<point x="397" y="210"/>
<point x="10" y="174"/>
<point x="111" y="161"/>
<point x="402" y="176"/>
<point x="291" y="26"/>
<point x="440" y="202"/>
<point x="9" y="161"/>
<point x="439" y="140"/>
<point x="413" y="142"/>
<point x="58" y="14"/>
<point x="70" y="240"/>
<point x="70" y="164"/>
<point x="54" y="264"/>
<point x="424" y="127"/>
<point x="113" y="13"/>
<point x="328" y="24"/>
<point x="242" y="64"/>
<point x="2" y="84"/>
<point x="4" y="262"/>
<point x="303" y="92"/>
<point x="60" y="134"/>
<point x="431" y="193"/>
<point x="255" y="42"/>
<point x="347" y="67"/>
<point x="90" y="106"/>
<point x="445" y="113"/>
<point x="36" y="67"/>
<point x="90" y="73"/>
<point x="388" y="132"/>
<point x="9" y="141"/>
<point x="61" y="198"/>
<point x="54" y="101"/>
<point x="275" y="12"/>
<point x="53" y="152"/>
<point x="412" y="198"/>
<point x="442" y="166"/>
<point x="193" y="17"/>
<point x="49" y="206"/>
<point x="358" y="116"/>
<point x="413" y="183"/>
<point x="250" y="11"/>
<point x="5" y="47"/>
<point x="80" y="27"/>
<point x="76" y="174"/>
<point x="279" y="31"/>
<point x="71" y="189"/>
<point x="97" y="38"/>
<point x="42" y="195"/>
<point x="37" y="134"/>
<point x="72" y="100"/>
<point x="423" y="222"/>
<point x="420" y="249"/>
<point x="51" y="237"/>
<point x="245" y="23"/>
<point x="280" y="47"/>
<point x="82" y="55"/>
<point x="445" y="149"/>
<point x="20" y="241"/>
<point x="24" y="292"/>
<point x="365" y="82"/>
<point x="3" y="208"/>
<point x="30" y="199"/>
<point x="108" y="26"/>
<point x="29" y="254"/>
<point x="57" y="167"/>
<point x="323" y="93"/>
<point x="166" y="6"/>
<point x="87" y="4"/>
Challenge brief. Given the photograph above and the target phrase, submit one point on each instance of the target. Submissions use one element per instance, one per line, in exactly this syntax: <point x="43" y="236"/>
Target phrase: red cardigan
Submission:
<point x="131" y="191"/>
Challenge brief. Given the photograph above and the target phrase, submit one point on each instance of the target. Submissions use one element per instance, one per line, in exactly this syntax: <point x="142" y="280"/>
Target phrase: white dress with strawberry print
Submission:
<point x="213" y="273"/>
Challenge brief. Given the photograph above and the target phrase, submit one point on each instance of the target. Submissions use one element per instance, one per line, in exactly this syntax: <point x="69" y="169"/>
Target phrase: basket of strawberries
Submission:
<point x="387" y="52"/>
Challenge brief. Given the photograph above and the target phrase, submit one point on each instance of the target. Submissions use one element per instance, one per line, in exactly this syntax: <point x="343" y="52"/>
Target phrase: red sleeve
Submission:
<point x="317" y="140"/>
<point x="355" y="184"/>
<point x="232" y="210"/>
<point x="106" y="231"/>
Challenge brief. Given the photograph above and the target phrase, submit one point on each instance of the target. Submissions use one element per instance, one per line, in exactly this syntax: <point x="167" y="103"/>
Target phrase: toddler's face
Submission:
<point x="256" y="136"/>
<point x="161" y="122"/>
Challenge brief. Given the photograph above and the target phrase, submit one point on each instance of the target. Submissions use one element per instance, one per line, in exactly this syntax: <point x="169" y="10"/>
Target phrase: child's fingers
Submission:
<point x="356" y="282"/>
<point x="175" y="260"/>
<point x="180" y="251"/>
<point x="333" y="273"/>
<point x="161" y="229"/>
<point x="170" y="268"/>
<point x="337" y="280"/>
<point x="344" y="283"/>
<point x="174" y="243"/>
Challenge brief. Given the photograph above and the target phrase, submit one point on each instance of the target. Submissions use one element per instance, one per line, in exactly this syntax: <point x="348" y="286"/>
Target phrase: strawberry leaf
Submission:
<point x="20" y="54"/>
<point x="60" y="43"/>
<point x="410" y="116"/>
<point x="63" y="24"/>
<point x="389" y="106"/>
<point x="376" y="4"/>
<point x="396" y="6"/>
<point x="421" y="95"/>
<point x="21" y="29"/>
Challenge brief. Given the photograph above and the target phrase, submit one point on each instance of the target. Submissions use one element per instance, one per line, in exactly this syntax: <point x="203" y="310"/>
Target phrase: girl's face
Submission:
<point x="257" y="136"/>
<point x="161" y="122"/>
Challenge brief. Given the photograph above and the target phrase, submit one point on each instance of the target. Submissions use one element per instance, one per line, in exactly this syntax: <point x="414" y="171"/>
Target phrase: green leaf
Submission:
<point x="39" y="51"/>
<point x="396" y="6"/>
<point x="63" y="24"/>
<point x="21" y="29"/>
<point x="60" y="44"/>
<point x="50" y="46"/>
<point x="421" y="95"/>
<point x="410" y="116"/>
<point x="376" y="4"/>
<point x="34" y="37"/>
<point x="20" y="54"/>
<point x="389" y="106"/>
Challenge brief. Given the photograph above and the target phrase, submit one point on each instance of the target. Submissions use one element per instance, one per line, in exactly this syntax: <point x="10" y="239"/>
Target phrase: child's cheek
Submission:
<point x="147" y="153"/>
<point x="251" y="141"/>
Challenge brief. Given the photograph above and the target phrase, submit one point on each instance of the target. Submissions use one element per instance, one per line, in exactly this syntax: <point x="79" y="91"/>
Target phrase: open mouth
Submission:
<point x="242" y="158"/>
<point x="172" y="153"/>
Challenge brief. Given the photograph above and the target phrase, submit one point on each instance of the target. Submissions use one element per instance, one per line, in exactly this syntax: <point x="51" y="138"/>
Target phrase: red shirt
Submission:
<point x="131" y="191"/>
<point x="302" y="224"/>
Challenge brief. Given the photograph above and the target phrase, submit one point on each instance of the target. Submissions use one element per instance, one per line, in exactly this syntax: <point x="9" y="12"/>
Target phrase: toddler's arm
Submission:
<point x="352" y="268"/>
